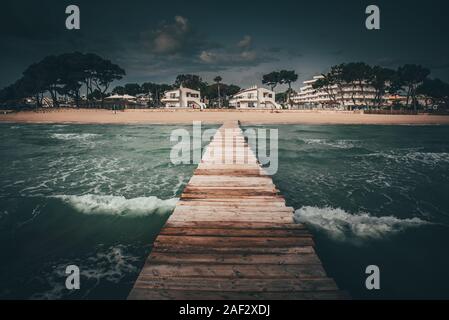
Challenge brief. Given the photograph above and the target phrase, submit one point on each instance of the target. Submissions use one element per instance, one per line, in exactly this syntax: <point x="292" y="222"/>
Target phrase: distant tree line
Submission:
<point x="215" y="92"/>
<point x="65" y="75"/>
<point x="410" y="80"/>
<point x="154" y="90"/>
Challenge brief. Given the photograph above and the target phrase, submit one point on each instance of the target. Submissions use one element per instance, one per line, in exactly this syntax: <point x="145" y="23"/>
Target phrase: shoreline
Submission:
<point x="246" y="117"/>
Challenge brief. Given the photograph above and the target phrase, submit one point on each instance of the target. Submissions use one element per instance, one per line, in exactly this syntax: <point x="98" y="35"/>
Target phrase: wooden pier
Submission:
<point x="231" y="236"/>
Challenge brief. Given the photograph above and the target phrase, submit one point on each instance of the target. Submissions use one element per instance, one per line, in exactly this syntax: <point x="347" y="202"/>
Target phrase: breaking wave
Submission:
<point x="117" y="205"/>
<point x="341" y="225"/>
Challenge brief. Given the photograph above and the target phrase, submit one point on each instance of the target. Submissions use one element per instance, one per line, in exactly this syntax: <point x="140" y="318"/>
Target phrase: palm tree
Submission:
<point x="218" y="79"/>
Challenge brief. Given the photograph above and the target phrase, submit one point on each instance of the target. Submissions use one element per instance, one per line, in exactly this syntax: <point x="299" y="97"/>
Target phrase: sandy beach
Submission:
<point x="96" y="116"/>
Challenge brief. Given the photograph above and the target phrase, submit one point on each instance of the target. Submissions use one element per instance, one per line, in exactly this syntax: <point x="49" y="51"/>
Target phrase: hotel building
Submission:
<point x="254" y="98"/>
<point x="347" y="96"/>
<point x="183" y="98"/>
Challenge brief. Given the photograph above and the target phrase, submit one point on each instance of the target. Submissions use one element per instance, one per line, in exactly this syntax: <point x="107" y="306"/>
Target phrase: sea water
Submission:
<point x="96" y="196"/>
<point x="372" y="195"/>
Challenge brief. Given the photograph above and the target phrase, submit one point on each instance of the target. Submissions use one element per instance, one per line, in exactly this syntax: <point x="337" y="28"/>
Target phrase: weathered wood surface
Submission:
<point x="231" y="236"/>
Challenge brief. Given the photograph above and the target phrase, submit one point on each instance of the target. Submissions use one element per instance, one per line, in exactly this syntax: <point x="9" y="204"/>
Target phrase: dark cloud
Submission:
<point x="177" y="45"/>
<point x="242" y="54"/>
<point x="175" y="38"/>
<point x="245" y="43"/>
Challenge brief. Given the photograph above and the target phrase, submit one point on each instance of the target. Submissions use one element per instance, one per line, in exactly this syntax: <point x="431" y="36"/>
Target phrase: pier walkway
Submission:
<point x="231" y="236"/>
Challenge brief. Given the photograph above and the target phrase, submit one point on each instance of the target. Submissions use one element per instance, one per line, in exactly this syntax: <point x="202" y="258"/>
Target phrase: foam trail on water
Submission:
<point x="110" y="265"/>
<point x="74" y="136"/>
<point x="341" y="225"/>
<point x="117" y="205"/>
<point x="341" y="144"/>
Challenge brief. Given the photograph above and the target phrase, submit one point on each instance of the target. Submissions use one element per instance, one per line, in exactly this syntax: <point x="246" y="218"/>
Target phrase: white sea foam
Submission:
<point x="117" y="205"/>
<point x="428" y="158"/>
<point x="74" y="136"/>
<point x="341" y="225"/>
<point x="341" y="144"/>
<point x="108" y="264"/>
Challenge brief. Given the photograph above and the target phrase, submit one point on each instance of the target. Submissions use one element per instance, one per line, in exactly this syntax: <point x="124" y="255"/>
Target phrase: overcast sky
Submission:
<point x="237" y="39"/>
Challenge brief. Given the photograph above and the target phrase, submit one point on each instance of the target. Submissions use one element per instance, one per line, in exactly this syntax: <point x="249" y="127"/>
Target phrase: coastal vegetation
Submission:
<point x="154" y="90"/>
<point x="409" y="80"/>
<point x="66" y="74"/>
<point x="85" y="80"/>
<point x="275" y="78"/>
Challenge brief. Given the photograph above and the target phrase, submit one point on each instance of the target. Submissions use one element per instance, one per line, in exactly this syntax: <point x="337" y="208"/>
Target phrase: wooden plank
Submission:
<point x="236" y="219"/>
<point x="254" y="285"/>
<point x="308" y="256"/>
<point x="170" y="248"/>
<point x="229" y="172"/>
<point x="229" y="190"/>
<point x="222" y="179"/>
<point x="248" y="210"/>
<point x="204" y="193"/>
<point x="232" y="212"/>
<point x="230" y="271"/>
<point x="232" y="208"/>
<point x="244" y="200"/>
<point x="222" y="217"/>
<point x="240" y="242"/>
<point x="235" y="225"/>
<point x="232" y="203"/>
<point x="235" y="232"/>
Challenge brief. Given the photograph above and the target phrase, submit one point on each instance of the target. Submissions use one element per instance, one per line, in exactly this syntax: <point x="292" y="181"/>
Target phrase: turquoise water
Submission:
<point x="97" y="195"/>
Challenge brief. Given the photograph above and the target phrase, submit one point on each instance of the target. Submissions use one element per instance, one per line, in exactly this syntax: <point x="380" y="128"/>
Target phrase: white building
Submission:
<point x="254" y="98"/>
<point x="183" y="98"/>
<point x="144" y="99"/>
<point x="346" y="96"/>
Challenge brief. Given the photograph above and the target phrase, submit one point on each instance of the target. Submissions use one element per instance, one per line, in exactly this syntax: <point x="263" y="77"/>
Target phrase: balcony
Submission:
<point x="170" y="99"/>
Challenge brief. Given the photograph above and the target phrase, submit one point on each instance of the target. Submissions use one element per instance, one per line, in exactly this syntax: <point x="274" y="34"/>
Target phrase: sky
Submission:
<point x="240" y="40"/>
